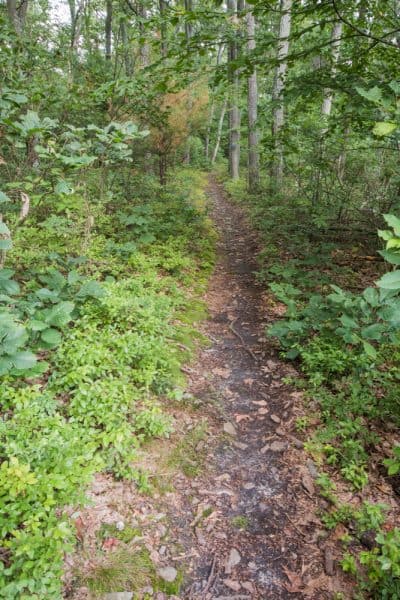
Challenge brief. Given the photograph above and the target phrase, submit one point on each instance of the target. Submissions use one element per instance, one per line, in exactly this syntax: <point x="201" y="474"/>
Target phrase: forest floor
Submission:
<point x="233" y="513"/>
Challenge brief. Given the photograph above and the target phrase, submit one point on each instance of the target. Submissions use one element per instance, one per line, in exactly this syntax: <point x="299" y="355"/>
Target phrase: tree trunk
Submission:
<point x="234" y="111"/>
<point x="188" y="24"/>
<point x="144" y="51"/>
<point x="125" y="48"/>
<point x="162" y="166"/>
<point x="219" y="132"/>
<point x="208" y="132"/>
<point x="163" y="27"/>
<point x="108" y="28"/>
<point x="17" y="14"/>
<point x="326" y="110"/>
<point x="335" y="38"/>
<point x="252" y="101"/>
<point x="279" y="88"/>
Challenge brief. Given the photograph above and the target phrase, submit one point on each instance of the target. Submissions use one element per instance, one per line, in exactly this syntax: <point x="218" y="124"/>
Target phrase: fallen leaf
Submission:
<point x="110" y="543"/>
<point x="80" y="528"/>
<point x="295" y="581"/>
<point x="232" y="584"/>
<point x="308" y="484"/>
<point x="259" y="402"/>
<point x="224" y="373"/>
<point x="239" y="418"/>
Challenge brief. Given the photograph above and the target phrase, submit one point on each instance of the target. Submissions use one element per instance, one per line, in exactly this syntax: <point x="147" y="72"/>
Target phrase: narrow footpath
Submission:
<point x="261" y="539"/>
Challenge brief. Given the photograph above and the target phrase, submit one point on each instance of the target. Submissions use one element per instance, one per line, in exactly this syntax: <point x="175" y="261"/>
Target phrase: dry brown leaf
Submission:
<point x="295" y="581"/>
<point x="110" y="543"/>
<point x="239" y="418"/>
<point x="225" y="373"/>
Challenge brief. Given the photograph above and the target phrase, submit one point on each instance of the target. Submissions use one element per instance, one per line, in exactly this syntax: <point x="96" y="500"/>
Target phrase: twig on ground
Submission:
<point x="211" y="578"/>
<point x="231" y="327"/>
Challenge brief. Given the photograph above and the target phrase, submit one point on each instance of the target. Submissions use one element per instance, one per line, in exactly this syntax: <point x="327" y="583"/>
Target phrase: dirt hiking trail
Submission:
<point x="261" y="541"/>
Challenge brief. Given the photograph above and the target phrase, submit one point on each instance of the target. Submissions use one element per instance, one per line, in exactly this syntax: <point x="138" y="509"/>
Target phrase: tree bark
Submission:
<point x="279" y="88"/>
<point x="252" y="105"/>
<point x="219" y="132"/>
<point x="108" y="29"/>
<point x="163" y="27"/>
<point x="17" y="14"/>
<point x="234" y="111"/>
<point x="208" y="132"/>
<point x="328" y="95"/>
<point x="188" y="24"/>
<point x="144" y="51"/>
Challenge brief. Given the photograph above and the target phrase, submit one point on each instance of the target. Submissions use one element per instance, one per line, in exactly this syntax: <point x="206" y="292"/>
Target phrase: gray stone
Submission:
<point x="233" y="560"/>
<point x="278" y="446"/>
<point x="312" y="468"/>
<point x="229" y="428"/>
<point x="118" y="596"/>
<point x="168" y="574"/>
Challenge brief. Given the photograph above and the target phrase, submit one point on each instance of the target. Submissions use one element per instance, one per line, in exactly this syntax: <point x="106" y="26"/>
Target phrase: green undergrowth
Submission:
<point x="92" y="342"/>
<point x="344" y="336"/>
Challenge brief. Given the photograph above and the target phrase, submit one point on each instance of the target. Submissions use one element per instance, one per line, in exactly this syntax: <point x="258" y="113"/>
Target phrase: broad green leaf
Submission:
<point x="9" y="286"/>
<point x="390" y="257"/>
<point x="51" y="336"/>
<point x="60" y="315"/>
<point x="393" y="243"/>
<point x="5" y="244"/>
<point x="371" y="296"/>
<point x="4" y="229"/>
<point x="30" y="123"/>
<point x="373" y="332"/>
<point x="36" y="325"/>
<point x="5" y="365"/>
<point x="383" y="128"/>
<point x="369" y="349"/>
<point x="348" y="322"/>
<point x="73" y="277"/>
<point x="91" y="289"/>
<point x="385" y="234"/>
<point x="373" y="95"/>
<point x="46" y="294"/>
<point x="4" y="197"/>
<point x="393" y="222"/>
<point x="24" y="360"/>
<point x="390" y="281"/>
<point x="63" y="188"/>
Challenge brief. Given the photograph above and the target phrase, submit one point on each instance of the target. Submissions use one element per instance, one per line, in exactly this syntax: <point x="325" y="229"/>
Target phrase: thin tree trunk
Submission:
<point x="144" y="50"/>
<point x="188" y="24"/>
<point x="326" y="110"/>
<point x="328" y="95"/>
<point x="212" y="111"/>
<point x="163" y="28"/>
<point x="219" y="132"/>
<point x="108" y="28"/>
<point x="208" y="132"/>
<point x="252" y="101"/>
<point x="234" y="111"/>
<point x="125" y="48"/>
<point x="279" y="88"/>
<point x="162" y="165"/>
